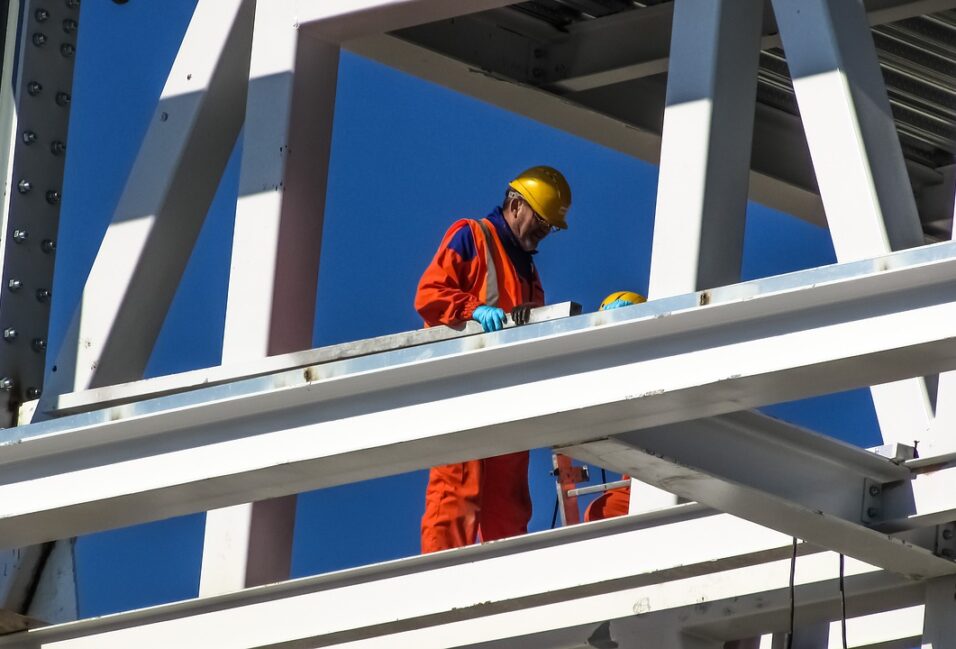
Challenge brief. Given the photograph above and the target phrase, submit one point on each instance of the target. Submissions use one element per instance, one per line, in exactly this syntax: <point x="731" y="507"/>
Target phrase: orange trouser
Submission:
<point x="487" y="498"/>
<point x="610" y="504"/>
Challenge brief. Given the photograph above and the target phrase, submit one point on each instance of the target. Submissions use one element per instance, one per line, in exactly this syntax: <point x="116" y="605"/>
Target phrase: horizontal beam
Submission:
<point x="513" y="590"/>
<point x="112" y="395"/>
<point x="338" y="20"/>
<point x="799" y="508"/>
<point x="634" y="44"/>
<point x="561" y="382"/>
<point x="771" y="186"/>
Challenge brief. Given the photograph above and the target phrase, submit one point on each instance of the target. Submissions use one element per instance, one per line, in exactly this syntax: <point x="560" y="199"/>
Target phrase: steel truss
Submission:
<point x="661" y="391"/>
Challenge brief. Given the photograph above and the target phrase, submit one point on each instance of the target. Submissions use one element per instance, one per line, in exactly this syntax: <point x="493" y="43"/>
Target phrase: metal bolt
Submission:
<point x="14" y="285"/>
<point x="6" y="384"/>
<point x="29" y="137"/>
<point x="39" y="39"/>
<point x="62" y="99"/>
<point x="48" y="246"/>
<point x="38" y="344"/>
<point x="163" y="116"/>
<point x="53" y="197"/>
<point x="947" y="533"/>
<point x="24" y="186"/>
<point x="69" y="26"/>
<point x="44" y="294"/>
<point x="9" y="334"/>
<point x="34" y="88"/>
<point x="874" y="490"/>
<point x="57" y="147"/>
<point x="872" y="512"/>
<point x="20" y="235"/>
<point x="33" y="393"/>
<point x="41" y="14"/>
<point x="67" y="50"/>
<point x="73" y="4"/>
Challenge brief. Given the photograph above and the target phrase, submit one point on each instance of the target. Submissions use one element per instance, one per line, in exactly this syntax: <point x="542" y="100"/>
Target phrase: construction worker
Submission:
<point x="482" y="270"/>
<point x="614" y="502"/>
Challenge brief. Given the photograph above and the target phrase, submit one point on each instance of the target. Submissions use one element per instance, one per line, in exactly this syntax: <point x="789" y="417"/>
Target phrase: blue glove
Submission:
<point x="491" y="318"/>
<point x="616" y="304"/>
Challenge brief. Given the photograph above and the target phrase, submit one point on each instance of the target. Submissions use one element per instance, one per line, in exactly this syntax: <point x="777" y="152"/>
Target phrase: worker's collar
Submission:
<point x="507" y="237"/>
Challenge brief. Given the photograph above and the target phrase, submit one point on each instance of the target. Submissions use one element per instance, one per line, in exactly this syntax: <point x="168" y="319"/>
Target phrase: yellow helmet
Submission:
<point x="627" y="296"/>
<point x="547" y="192"/>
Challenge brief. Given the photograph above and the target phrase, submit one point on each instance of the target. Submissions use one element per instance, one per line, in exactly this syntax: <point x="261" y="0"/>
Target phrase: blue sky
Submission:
<point x="408" y="158"/>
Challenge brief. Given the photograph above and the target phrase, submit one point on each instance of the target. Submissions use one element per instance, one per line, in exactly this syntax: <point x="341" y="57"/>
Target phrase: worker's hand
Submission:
<point x="616" y="304"/>
<point x="491" y="318"/>
<point x="521" y="314"/>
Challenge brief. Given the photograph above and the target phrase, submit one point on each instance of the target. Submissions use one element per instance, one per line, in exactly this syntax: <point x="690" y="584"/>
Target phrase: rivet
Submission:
<point x="6" y="384"/>
<point x="14" y="285"/>
<point x="43" y="294"/>
<point x="48" y="246"/>
<point x="20" y="235"/>
<point x="53" y="197"/>
<point x="33" y="393"/>
<point x="872" y="512"/>
<point x="57" y="147"/>
<point x="41" y="14"/>
<point x="24" y="186"/>
<point x="69" y="26"/>
<point x="73" y="4"/>
<point x="874" y="490"/>
<point x="38" y="344"/>
<point x="67" y="50"/>
<point x="62" y="99"/>
<point x="39" y="39"/>
<point x="9" y="334"/>
<point x="163" y="116"/>
<point x="34" y="88"/>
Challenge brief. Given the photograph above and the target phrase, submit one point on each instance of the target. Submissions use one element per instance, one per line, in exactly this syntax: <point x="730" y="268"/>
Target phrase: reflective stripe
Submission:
<point x="491" y="278"/>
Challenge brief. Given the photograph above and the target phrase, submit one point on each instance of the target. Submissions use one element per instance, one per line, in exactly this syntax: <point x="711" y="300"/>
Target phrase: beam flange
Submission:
<point x="554" y="383"/>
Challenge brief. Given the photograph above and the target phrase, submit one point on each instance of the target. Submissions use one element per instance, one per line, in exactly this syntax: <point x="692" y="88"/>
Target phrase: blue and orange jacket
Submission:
<point x="455" y="283"/>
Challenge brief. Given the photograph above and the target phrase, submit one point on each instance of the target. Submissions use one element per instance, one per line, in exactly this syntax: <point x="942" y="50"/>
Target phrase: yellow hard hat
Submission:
<point x="627" y="296"/>
<point x="547" y="192"/>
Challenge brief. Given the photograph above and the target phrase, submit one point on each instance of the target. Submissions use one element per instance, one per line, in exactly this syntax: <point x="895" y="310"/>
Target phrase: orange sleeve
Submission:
<point x="447" y="290"/>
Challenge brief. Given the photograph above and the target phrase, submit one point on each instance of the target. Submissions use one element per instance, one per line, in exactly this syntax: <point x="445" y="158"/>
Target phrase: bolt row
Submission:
<point x="40" y="38"/>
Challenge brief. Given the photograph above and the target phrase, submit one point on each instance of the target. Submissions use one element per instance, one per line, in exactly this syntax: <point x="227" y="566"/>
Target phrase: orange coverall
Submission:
<point x="614" y="502"/>
<point x="489" y="498"/>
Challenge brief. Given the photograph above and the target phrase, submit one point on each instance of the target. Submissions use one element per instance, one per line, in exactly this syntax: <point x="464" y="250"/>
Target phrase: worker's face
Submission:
<point x="529" y="228"/>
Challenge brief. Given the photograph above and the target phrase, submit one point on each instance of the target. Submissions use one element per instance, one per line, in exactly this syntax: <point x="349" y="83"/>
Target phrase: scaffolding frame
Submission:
<point x="659" y="390"/>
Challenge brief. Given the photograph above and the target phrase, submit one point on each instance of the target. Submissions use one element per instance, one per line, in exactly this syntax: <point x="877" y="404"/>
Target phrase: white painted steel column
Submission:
<point x="170" y="188"/>
<point x="942" y="437"/>
<point x="275" y="260"/>
<point x="858" y="161"/>
<point x="939" y="616"/>
<point x="705" y="159"/>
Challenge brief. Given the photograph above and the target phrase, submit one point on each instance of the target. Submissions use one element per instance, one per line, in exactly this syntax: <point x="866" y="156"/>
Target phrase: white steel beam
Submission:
<point x="171" y="185"/>
<point x="814" y="508"/>
<point x="897" y="629"/>
<point x="112" y="395"/>
<point x="857" y="158"/>
<point x="558" y="112"/>
<point x="705" y="147"/>
<point x="939" y="616"/>
<point x="338" y="20"/>
<point x="705" y="159"/>
<point x="555" y="383"/>
<point x="275" y="259"/>
<point x="604" y="51"/>
<point x="510" y="589"/>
